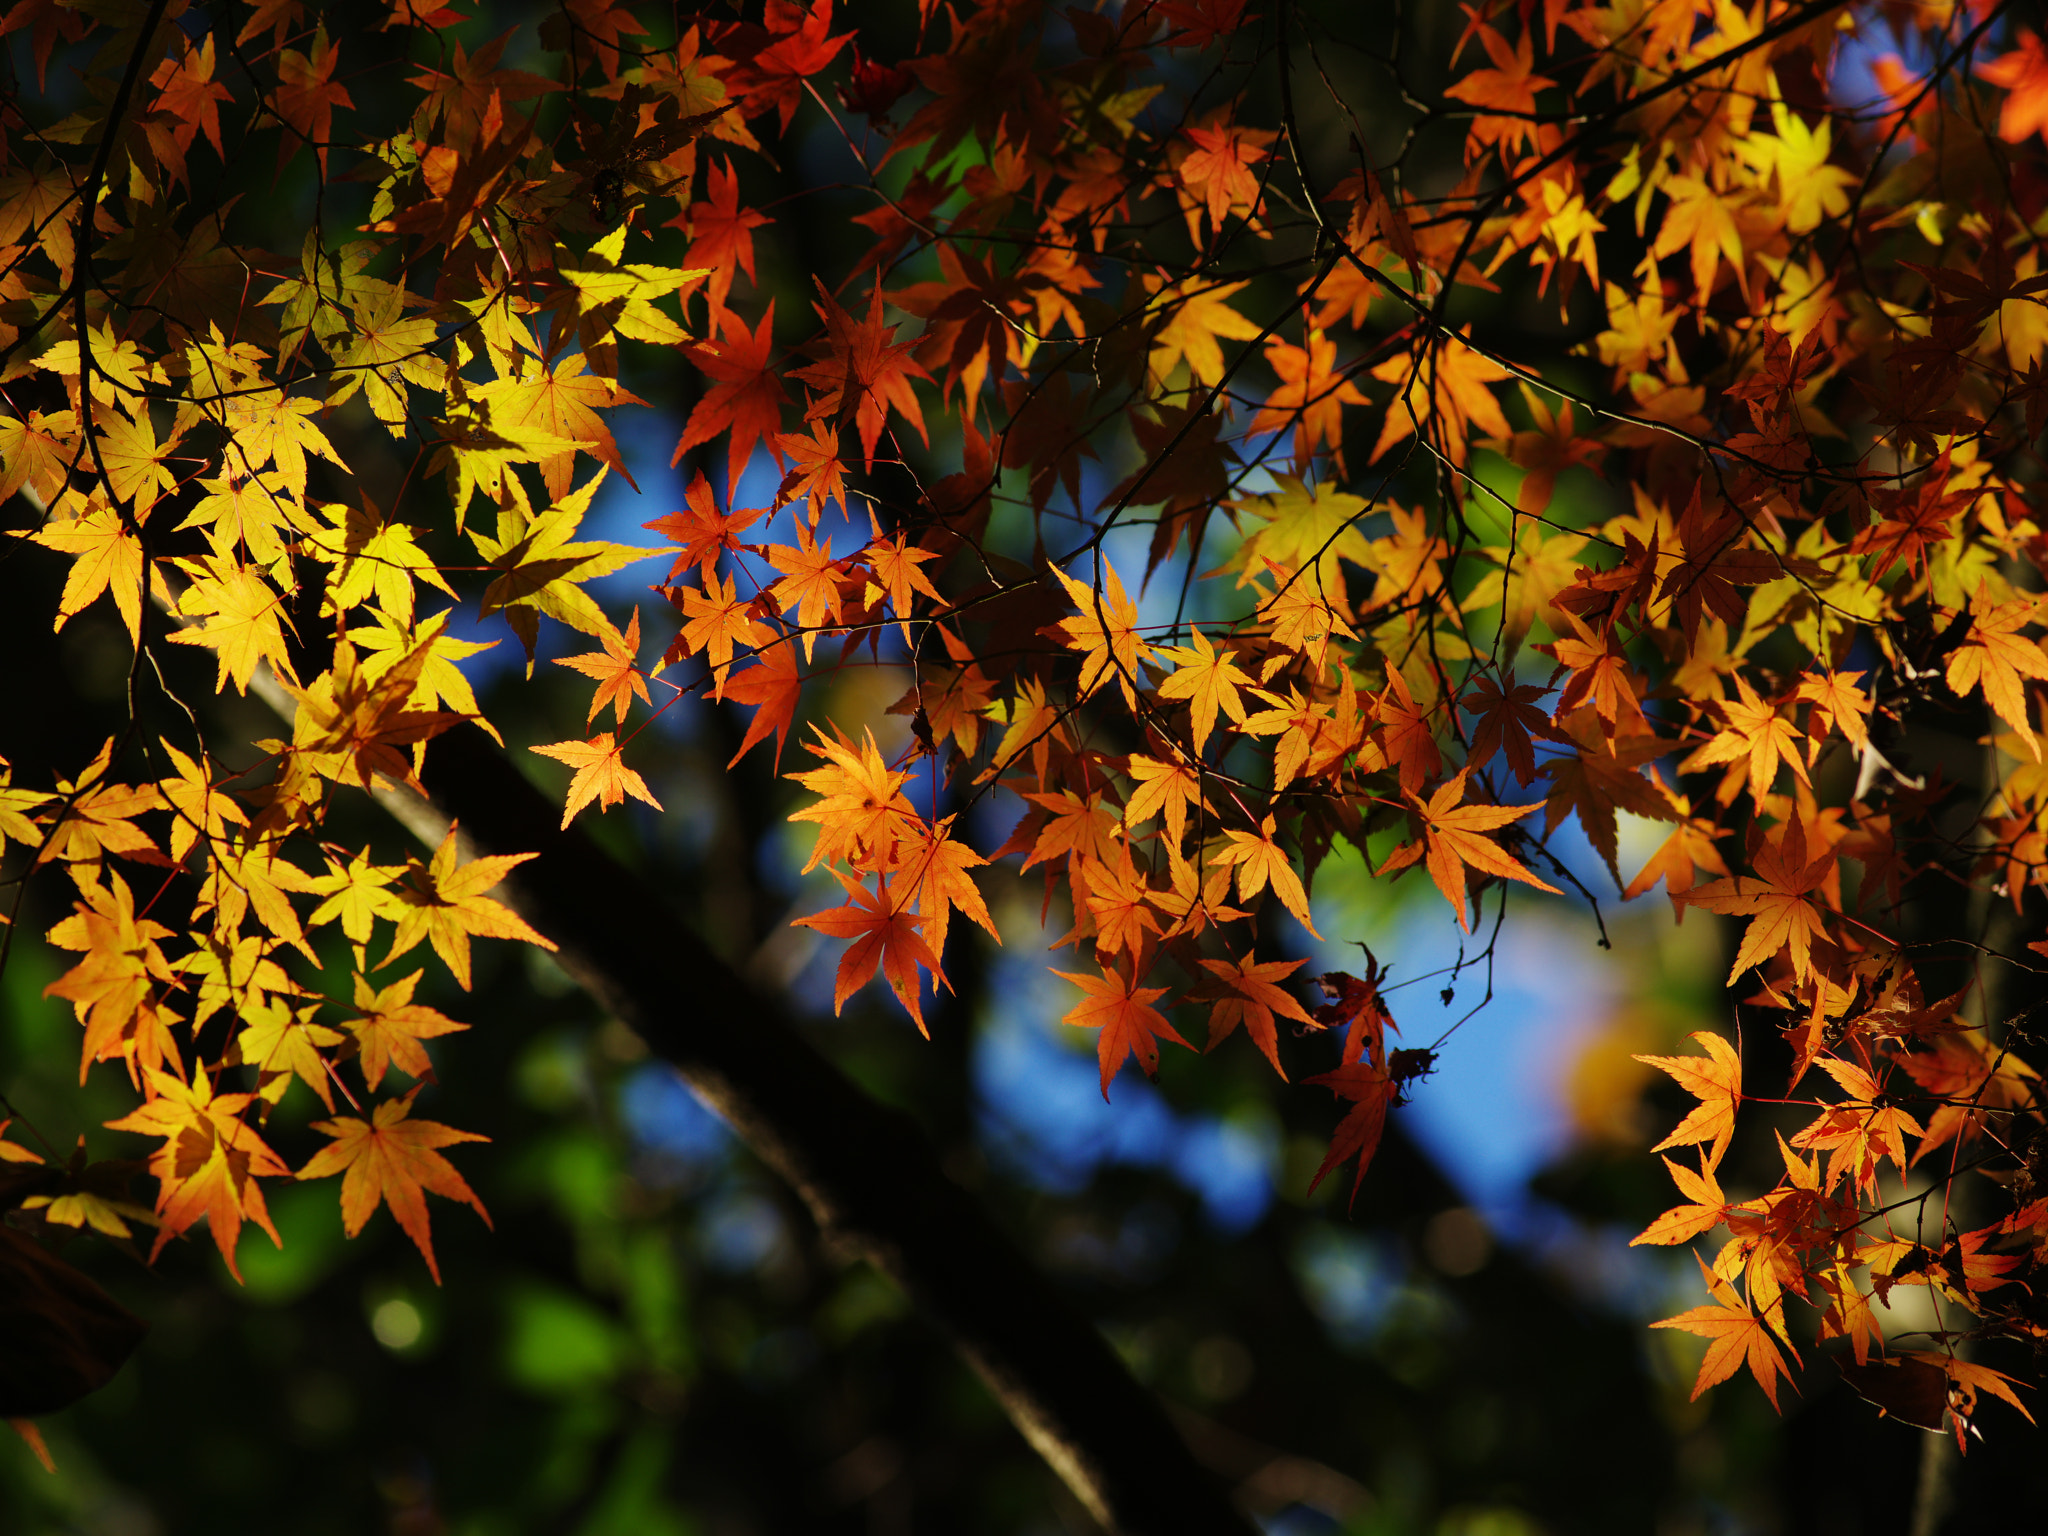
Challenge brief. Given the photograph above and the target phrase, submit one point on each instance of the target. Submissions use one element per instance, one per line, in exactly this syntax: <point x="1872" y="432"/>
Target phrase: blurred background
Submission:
<point x="652" y="1340"/>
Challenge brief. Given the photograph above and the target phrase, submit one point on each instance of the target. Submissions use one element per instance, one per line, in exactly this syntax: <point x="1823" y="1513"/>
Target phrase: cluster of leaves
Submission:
<point x="1106" y="278"/>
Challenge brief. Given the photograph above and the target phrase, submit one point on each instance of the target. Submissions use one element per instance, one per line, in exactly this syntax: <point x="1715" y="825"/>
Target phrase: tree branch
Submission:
<point x="867" y="1173"/>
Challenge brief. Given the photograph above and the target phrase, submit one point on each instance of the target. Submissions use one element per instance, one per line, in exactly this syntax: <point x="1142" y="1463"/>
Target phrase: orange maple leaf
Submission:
<point x="1105" y="632"/>
<point x="702" y="530"/>
<point x="714" y="621"/>
<point x="306" y="97"/>
<point x="861" y="811"/>
<point x="1510" y="86"/>
<point x="818" y="477"/>
<point x="1756" y="731"/>
<point x="1859" y="1132"/>
<point x="1208" y="679"/>
<point x="2024" y="75"/>
<point x="1776" y="898"/>
<point x="1260" y="860"/>
<point x="209" y="1162"/>
<point x="773" y="686"/>
<point x="1994" y="656"/>
<point x="1716" y="1081"/>
<point x="1409" y="740"/>
<point x="389" y="1027"/>
<point x="935" y="868"/>
<point x="745" y="403"/>
<point x="1683" y="1223"/>
<point x="1736" y="1337"/>
<point x="810" y="584"/>
<point x="601" y="774"/>
<point x="1454" y="835"/>
<point x="886" y="936"/>
<point x="863" y="374"/>
<point x="1127" y="1019"/>
<point x="1451" y="378"/>
<point x="392" y="1160"/>
<point x="1252" y="999"/>
<point x="1165" y="789"/>
<point x="444" y="903"/>
<point x="1310" y="396"/>
<point x="618" y="673"/>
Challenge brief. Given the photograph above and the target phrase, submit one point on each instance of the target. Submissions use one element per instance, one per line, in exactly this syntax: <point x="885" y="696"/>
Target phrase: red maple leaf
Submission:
<point x="747" y="400"/>
<point x="721" y="234"/>
<point x="886" y="935"/>
<point x="863" y="374"/>
<point x="702" y="530"/>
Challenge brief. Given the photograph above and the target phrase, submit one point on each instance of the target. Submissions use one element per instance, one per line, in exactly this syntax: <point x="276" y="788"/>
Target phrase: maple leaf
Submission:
<point x="702" y="530"/>
<point x="306" y="98"/>
<point x="1165" y="788"/>
<point x="1683" y="1223"/>
<point x="1195" y="316"/>
<point x="552" y="413"/>
<point x="1124" y="1013"/>
<point x="1859" y="1132"/>
<point x="935" y="868"/>
<point x="1371" y="1092"/>
<point x="1994" y="656"/>
<point x="209" y="1162"/>
<point x="1508" y="723"/>
<point x="357" y="893"/>
<point x="1452" y="379"/>
<point x="818" y="476"/>
<point x="861" y="809"/>
<point x="618" y="675"/>
<point x="1679" y="858"/>
<point x="715" y="620"/>
<point x="108" y="558"/>
<point x="746" y="402"/>
<point x="886" y="935"/>
<point x="1260" y="860"/>
<point x="863" y="374"/>
<point x="1105" y="632"/>
<point x="1216" y="176"/>
<point x="601" y="774"/>
<point x="1600" y="779"/>
<point x="1737" y="1337"/>
<point x="722" y="238"/>
<point x="1208" y="679"/>
<point x="1251" y="996"/>
<point x="280" y="1042"/>
<point x="1837" y="704"/>
<point x="244" y="618"/>
<point x="1776" y="897"/>
<point x="351" y="722"/>
<point x="773" y="686"/>
<point x="811" y="584"/>
<point x="111" y="987"/>
<point x="1711" y="565"/>
<point x="898" y="568"/>
<point x="774" y="77"/>
<point x="1699" y="217"/>
<point x="1716" y="1081"/>
<point x="1511" y="86"/>
<point x="1409" y="739"/>
<point x="2023" y="74"/>
<point x="1454" y="836"/>
<point x="392" y="1159"/>
<point x="1600" y="674"/>
<point x="542" y="566"/>
<point x="444" y="903"/>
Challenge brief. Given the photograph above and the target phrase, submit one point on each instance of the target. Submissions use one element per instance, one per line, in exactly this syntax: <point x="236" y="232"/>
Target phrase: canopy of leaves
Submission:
<point x="1158" y="445"/>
